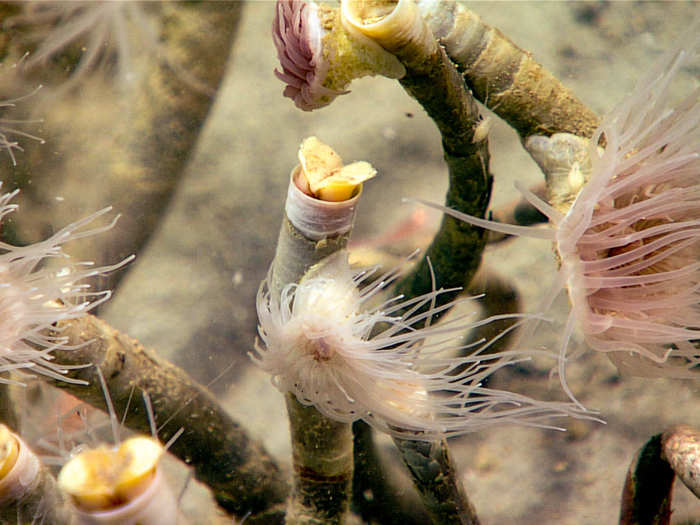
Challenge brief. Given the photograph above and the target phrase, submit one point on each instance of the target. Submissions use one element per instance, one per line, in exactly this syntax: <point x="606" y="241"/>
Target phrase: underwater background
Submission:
<point x="190" y="293"/>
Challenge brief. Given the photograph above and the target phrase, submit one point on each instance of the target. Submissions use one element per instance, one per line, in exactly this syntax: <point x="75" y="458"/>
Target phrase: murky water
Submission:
<point x="186" y="133"/>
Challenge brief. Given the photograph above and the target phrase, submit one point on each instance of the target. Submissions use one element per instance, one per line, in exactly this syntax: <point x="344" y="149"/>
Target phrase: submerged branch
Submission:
<point x="242" y="475"/>
<point x="506" y="78"/>
<point x="322" y="448"/>
<point x="455" y="253"/>
<point x="646" y="497"/>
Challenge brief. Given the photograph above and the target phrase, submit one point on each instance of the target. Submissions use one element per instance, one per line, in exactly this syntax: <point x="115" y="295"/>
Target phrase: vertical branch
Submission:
<point x="322" y="448"/>
<point x="434" y="82"/>
<point x="456" y="249"/>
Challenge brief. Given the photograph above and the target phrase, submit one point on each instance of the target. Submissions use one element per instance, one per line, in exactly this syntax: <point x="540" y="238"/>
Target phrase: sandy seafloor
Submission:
<point x="191" y="292"/>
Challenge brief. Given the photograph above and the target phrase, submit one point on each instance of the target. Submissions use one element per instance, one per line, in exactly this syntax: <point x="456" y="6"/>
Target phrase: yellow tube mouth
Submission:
<point x="9" y="450"/>
<point x="370" y="12"/>
<point x="323" y="175"/>
<point x="106" y="477"/>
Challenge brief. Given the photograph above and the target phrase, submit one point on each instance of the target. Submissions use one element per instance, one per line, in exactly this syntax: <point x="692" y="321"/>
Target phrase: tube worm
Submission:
<point x="647" y="493"/>
<point x="500" y="74"/>
<point x="504" y="77"/>
<point x="321" y="345"/>
<point x="28" y="491"/>
<point x="397" y="27"/>
<point x="120" y="485"/>
<point x="312" y="230"/>
<point x="625" y="219"/>
<point x="321" y="341"/>
<point x="432" y="79"/>
<point x="629" y="242"/>
<point x="34" y="298"/>
<point x="320" y="56"/>
<point x="389" y="367"/>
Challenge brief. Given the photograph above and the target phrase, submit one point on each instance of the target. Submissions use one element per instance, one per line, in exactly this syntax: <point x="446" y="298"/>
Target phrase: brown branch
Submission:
<point x="455" y="253"/>
<point x="646" y="497"/>
<point x="322" y="452"/>
<point x="242" y="475"/>
<point x="507" y="79"/>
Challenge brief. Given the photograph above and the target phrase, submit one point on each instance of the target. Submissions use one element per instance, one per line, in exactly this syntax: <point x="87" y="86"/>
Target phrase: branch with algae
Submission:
<point x="240" y="473"/>
<point x="432" y="80"/>
<point x="506" y="78"/>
